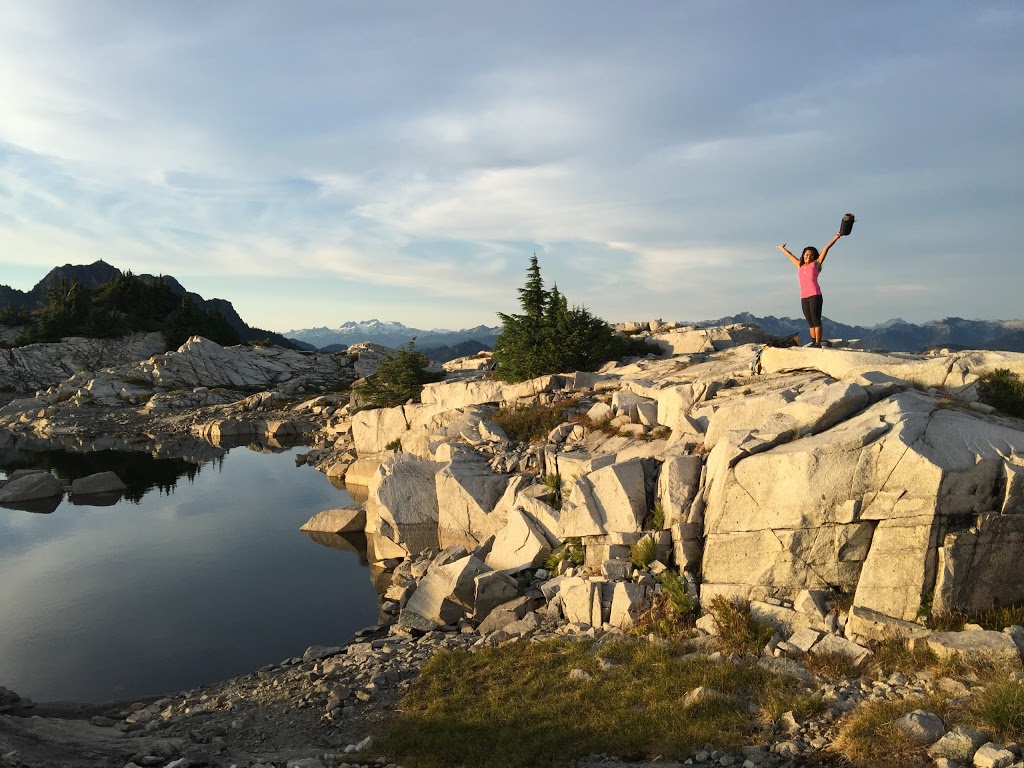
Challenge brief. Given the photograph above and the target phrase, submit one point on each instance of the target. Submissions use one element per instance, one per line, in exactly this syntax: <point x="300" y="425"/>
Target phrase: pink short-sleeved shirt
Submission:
<point x="809" y="280"/>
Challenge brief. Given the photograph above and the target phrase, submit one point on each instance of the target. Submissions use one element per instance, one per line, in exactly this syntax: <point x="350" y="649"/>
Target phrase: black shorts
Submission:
<point x="812" y="310"/>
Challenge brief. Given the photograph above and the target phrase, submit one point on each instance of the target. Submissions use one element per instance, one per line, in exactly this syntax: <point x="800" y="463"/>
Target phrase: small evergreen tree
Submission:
<point x="399" y="379"/>
<point x="551" y="337"/>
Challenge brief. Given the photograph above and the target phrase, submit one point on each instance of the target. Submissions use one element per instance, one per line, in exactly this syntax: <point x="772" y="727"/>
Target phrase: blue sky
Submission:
<point x="316" y="162"/>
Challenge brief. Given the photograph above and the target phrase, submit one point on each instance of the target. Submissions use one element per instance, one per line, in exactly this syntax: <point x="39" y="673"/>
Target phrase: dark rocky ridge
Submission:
<point x="99" y="273"/>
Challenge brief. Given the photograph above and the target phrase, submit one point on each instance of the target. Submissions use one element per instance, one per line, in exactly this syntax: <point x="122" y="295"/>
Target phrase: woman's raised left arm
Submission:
<point x="824" y="252"/>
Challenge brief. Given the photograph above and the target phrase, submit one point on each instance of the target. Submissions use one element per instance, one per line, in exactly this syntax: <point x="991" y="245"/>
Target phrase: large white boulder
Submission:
<point x="373" y="430"/>
<point x="468" y="491"/>
<point x="521" y="544"/>
<point x="678" y="487"/>
<point x="343" y="520"/>
<point x="402" y="502"/>
<point x="581" y="601"/>
<point x="865" y="505"/>
<point x="610" y="499"/>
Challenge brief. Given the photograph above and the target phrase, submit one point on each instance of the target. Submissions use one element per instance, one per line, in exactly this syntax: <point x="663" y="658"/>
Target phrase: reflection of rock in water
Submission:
<point x="142" y="462"/>
<point x="257" y="445"/>
<point x="105" y="499"/>
<point x="346" y="542"/>
<point x="358" y="493"/>
<point x="381" y="578"/>
<point x="14" y="447"/>
<point x="38" y="506"/>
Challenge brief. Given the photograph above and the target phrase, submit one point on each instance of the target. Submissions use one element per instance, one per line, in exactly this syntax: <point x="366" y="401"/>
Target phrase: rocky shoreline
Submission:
<point x="843" y="495"/>
<point x="323" y="709"/>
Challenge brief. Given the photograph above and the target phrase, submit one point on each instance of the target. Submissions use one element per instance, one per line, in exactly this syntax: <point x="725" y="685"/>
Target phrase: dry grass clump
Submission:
<point x="526" y="423"/>
<point x="738" y="631"/>
<point x="894" y="654"/>
<point x="993" y="618"/>
<point x="868" y="736"/>
<point x="803" y="705"/>
<point x="834" y="665"/>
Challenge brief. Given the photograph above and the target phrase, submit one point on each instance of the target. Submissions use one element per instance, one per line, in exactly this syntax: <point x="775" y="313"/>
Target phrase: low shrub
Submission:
<point x="1003" y="390"/>
<point x="641" y="346"/>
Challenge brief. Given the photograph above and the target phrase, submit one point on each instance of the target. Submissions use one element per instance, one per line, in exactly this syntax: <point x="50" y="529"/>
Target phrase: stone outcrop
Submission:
<point x="38" y="366"/>
<point x="828" y="472"/>
<point x="843" y="494"/>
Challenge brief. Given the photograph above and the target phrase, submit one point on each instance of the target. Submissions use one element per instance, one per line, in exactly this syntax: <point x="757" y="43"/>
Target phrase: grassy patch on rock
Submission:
<point x="544" y="704"/>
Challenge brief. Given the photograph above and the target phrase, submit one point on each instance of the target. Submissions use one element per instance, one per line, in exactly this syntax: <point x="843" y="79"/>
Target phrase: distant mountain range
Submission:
<point x="893" y="335"/>
<point x="441" y="344"/>
<point x="99" y="272"/>
<point x="394" y="334"/>
<point x="899" y="336"/>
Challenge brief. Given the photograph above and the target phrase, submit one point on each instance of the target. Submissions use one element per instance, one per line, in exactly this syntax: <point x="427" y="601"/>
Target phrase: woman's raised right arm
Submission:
<point x="785" y="250"/>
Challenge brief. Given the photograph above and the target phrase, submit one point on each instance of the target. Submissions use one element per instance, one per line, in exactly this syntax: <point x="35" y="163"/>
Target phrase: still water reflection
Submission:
<point x="197" y="574"/>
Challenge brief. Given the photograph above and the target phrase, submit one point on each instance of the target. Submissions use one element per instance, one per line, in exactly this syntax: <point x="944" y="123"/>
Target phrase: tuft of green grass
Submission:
<point x="515" y="705"/>
<point x="531" y="422"/>
<point x="554" y="484"/>
<point x="643" y="552"/>
<point x="738" y="631"/>
<point x="1003" y="390"/>
<point x="999" y="709"/>
<point x="673" y="585"/>
<point x="868" y="736"/>
<point x="655" y="520"/>
<point x="672" y="612"/>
